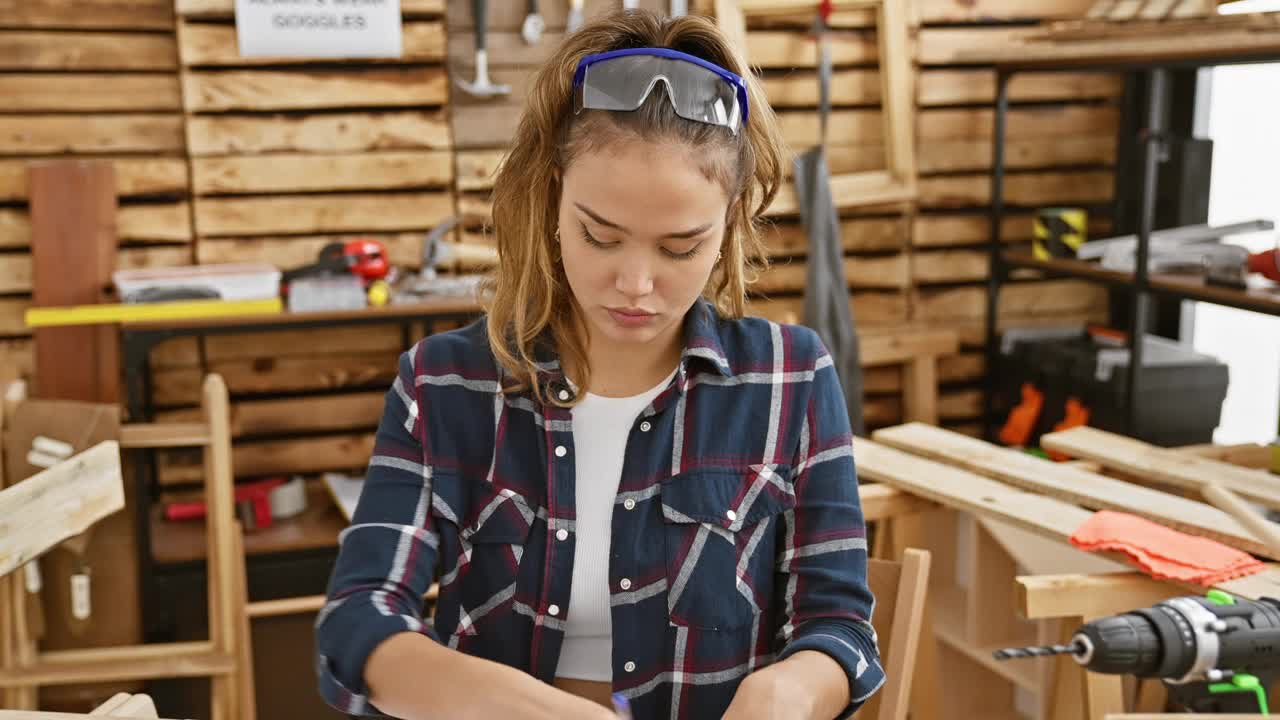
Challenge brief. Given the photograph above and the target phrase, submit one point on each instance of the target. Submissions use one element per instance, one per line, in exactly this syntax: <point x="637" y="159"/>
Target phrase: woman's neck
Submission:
<point x="626" y="370"/>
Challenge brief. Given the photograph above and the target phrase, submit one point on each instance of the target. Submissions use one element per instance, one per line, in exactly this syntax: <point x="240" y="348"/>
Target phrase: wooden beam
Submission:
<point x="1041" y="298"/>
<point x="212" y="45"/>
<point x="327" y="133"/>
<point x="123" y="133"/>
<point x="69" y="51"/>
<point x="352" y="212"/>
<point x="60" y="502"/>
<point x="206" y="91"/>
<point x="883" y="502"/>
<point x="1031" y="189"/>
<point x="77" y="14"/>
<point x="1096" y="492"/>
<point x="1163" y="465"/>
<point x="278" y="173"/>
<point x="1045" y="516"/>
<point x="226" y="8"/>
<point x="89" y="92"/>
<point x="175" y="660"/>
<point x="884" y="348"/>
<point x="158" y="435"/>
<point x="1059" y="596"/>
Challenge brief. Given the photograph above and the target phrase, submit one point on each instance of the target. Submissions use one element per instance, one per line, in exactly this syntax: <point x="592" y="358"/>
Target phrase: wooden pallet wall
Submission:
<point x="287" y="156"/>
<point x="90" y="79"/>
<point x="1060" y="148"/>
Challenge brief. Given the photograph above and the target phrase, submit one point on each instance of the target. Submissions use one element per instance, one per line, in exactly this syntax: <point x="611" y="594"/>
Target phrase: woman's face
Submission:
<point x="640" y="228"/>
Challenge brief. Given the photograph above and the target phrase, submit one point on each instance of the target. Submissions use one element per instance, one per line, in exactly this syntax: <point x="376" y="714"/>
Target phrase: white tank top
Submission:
<point x="601" y="426"/>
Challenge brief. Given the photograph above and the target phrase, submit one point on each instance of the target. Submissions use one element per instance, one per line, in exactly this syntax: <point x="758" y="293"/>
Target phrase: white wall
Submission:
<point x="1244" y="122"/>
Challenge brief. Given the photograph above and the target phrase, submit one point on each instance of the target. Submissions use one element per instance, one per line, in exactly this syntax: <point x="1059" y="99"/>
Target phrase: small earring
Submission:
<point x="719" y="255"/>
<point x="557" y="235"/>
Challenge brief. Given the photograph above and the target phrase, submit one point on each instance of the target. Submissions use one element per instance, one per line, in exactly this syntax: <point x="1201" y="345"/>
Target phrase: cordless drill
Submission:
<point x="1216" y="653"/>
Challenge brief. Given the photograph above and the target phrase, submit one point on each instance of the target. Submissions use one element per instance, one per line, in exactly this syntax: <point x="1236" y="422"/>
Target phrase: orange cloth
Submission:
<point x="1164" y="553"/>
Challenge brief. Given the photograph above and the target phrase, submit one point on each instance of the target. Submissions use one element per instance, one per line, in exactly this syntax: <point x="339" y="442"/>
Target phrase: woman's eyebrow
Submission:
<point x="683" y="235"/>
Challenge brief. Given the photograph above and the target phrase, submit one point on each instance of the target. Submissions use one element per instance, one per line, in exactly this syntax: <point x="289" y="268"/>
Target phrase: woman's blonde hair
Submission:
<point x="528" y="300"/>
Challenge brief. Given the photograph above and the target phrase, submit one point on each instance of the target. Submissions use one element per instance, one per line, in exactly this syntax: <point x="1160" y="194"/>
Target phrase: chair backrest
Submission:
<point x="899" y="588"/>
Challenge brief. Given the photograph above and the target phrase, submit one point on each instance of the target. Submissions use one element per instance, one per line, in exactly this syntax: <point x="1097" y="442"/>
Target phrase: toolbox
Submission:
<point x="1180" y="391"/>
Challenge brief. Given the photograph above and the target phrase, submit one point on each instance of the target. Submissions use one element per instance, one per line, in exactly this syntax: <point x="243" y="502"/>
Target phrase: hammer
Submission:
<point x="482" y="88"/>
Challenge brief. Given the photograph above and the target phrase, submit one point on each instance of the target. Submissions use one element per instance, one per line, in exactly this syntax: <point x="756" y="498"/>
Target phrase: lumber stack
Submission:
<point x="1005" y="513"/>
<point x="93" y="80"/>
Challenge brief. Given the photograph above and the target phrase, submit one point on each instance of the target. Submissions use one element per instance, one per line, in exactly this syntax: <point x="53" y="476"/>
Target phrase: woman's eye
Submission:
<point x="686" y="255"/>
<point x="594" y="242"/>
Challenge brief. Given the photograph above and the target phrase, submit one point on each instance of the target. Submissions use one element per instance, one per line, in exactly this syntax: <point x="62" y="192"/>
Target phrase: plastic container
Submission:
<point x="247" y="281"/>
<point x="1180" y="391"/>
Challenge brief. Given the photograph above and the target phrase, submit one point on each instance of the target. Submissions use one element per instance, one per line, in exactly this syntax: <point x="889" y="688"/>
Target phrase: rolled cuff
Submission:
<point x="341" y="676"/>
<point x="852" y="645"/>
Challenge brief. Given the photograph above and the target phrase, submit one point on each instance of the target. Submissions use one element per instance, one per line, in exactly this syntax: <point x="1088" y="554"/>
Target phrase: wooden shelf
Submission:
<point x="1263" y="298"/>
<point x="948" y="606"/>
<point x="316" y="528"/>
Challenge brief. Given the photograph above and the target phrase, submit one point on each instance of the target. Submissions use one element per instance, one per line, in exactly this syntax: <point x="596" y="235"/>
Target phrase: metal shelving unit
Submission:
<point x="1155" y="57"/>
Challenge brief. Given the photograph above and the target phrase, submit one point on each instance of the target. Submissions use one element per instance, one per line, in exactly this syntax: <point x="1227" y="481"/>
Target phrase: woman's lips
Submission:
<point x="631" y="318"/>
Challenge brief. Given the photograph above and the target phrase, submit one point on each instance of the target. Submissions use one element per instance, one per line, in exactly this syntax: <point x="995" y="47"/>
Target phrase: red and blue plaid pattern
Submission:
<point x="737" y="527"/>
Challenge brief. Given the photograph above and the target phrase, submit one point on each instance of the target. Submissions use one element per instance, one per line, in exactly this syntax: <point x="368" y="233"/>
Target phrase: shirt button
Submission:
<point x="564" y="395"/>
<point x="553" y="610"/>
<point x="625" y="583"/>
<point x="645" y="426"/>
<point x="731" y="515"/>
<point x="562" y="534"/>
<point x="629" y="667"/>
<point x="561" y="451"/>
<point x="629" y="504"/>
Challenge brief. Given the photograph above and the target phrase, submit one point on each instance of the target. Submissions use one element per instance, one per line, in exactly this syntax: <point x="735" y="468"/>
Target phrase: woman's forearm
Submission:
<point x="808" y="685"/>
<point x="413" y="677"/>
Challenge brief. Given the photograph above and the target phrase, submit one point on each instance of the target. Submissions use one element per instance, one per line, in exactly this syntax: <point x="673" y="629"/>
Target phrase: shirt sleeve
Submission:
<point x="387" y="557"/>
<point x="824" y="561"/>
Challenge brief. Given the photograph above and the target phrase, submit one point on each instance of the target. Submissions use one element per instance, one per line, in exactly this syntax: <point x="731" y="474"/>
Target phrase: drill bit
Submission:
<point x="1038" y="651"/>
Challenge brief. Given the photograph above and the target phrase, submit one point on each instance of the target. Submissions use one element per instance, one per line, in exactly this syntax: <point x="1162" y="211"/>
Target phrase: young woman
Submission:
<point x="622" y="485"/>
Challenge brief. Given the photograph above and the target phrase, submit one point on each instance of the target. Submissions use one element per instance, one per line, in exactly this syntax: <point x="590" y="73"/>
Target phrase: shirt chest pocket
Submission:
<point x="720" y="530"/>
<point x="484" y="530"/>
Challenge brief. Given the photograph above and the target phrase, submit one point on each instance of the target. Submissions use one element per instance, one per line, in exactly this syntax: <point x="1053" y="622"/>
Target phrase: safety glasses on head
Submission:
<point x="701" y="91"/>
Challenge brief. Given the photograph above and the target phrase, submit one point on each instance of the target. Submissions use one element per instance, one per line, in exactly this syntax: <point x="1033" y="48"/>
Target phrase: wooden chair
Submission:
<point x="224" y="656"/>
<point x="900" y="589"/>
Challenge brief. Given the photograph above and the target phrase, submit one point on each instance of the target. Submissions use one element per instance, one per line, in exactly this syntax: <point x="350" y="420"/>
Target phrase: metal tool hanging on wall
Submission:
<point x="679" y="8"/>
<point x="533" y="26"/>
<point x="575" y="16"/>
<point x="482" y="87"/>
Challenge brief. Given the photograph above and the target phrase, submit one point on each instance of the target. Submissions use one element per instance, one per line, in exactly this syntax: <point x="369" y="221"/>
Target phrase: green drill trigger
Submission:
<point x="1244" y="683"/>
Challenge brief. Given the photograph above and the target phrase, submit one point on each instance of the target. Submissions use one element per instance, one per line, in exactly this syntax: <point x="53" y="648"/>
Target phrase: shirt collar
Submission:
<point x="702" y="346"/>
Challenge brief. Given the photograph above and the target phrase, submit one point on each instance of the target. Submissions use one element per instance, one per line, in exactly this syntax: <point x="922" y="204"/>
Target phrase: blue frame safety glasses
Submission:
<point x="621" y="80"/>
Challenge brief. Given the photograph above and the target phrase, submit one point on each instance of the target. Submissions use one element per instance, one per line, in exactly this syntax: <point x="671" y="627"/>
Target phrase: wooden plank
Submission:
<point x="303" y="455"/>
<point x="125" y="133"/>
<point x="15" y="273"/>
<point x="88" y="14"/>
<point x="315" y="173"/>
<point x="882" y="348"/>
<point x="348" y="212"/>
<point x="871" y="309"/>
<point x="1030" y="154"/>
<point x="226" y="8"/>
<point x="785" y="239"/>
<point x="58" y="503"/>
<point x="485" y="126"/>
<point x="39" y="50"/>
<point x="1163" y="465"/>
<point x="310" y="343"/>
<point x="857" y="190"/>
<point x="875" y="272"/>
<point x="300" y="373"/>
<point x="158" y="435"/>
<point x="1051" y="297"/>
<point x="961" y="367"/>
<point x="1044" y="516"/>
<point x="140" y="258"/>
<point x="178" y="662"/>
<point x="477" y="169"/>
<point x="974" y="86"/>
<point x="1079" y="187"/>
<point x="800" y="88"/>
<point x="215" y="45"/>
<point x="305" y="414"/>
<point x="328" y="133"/>
<point x="1055" y="596"/>
<point x="1051" y="122"/>
<point x="1250" y="455"/>
<point x="960" y="404"/>
<point x="403" y="249"/>
<point x="89" y="92"/>
<point x="938" y="11"/>
<point x="134" y="223"/>
<point x="775" y="49"/>
<point x="209" y="91"/>
<point x="1073" y="485"/>
<point x="949" y="266"/>
<point x="949" y="45"/>
<point x="930" y="230"/>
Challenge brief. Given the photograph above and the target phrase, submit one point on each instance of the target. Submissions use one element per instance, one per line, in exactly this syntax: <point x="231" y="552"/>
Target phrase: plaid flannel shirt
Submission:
<point x="737" y="526"/>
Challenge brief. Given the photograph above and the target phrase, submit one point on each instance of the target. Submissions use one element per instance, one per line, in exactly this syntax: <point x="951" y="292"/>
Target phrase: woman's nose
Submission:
<point x="634" y="275"/>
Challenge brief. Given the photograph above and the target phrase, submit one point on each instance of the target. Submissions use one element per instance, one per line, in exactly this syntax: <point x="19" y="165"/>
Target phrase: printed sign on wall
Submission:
<point x="318" y="28"/>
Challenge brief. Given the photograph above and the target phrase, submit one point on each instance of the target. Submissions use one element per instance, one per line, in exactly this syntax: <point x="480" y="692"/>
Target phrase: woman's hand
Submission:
<point x="808" y="685"/>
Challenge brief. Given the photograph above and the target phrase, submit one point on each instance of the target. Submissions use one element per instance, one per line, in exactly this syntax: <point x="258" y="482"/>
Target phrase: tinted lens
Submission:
<point x="698" y="94"/>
